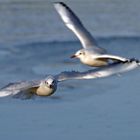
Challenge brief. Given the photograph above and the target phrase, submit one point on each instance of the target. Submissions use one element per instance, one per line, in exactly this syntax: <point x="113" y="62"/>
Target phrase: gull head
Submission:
<point x="79" y="54"/>
<point x="47" y="87"/>
<point x="50" y="82"/>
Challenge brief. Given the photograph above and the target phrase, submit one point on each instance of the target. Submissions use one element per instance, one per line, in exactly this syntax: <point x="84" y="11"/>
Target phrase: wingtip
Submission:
<point x="133" y="60"/>
<point x="62" y="3"/>
<point x="4" y="93"/>
<point x="58" y="2"/>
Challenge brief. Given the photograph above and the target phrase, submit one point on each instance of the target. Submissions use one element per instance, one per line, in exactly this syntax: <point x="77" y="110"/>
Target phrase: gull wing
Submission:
<point x="111" y="57"/>
<point x="18" y="88"/>
<point x="112" y="69"/>
<point x="74" y="24"/>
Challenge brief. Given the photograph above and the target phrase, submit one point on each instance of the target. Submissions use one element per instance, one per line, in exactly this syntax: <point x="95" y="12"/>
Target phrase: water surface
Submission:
<point x="34" y="42"/>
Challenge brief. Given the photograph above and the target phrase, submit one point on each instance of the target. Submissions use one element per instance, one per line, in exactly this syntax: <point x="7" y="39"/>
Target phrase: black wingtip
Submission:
<point x="132" y="60"/>
<point x="62" y="3"/>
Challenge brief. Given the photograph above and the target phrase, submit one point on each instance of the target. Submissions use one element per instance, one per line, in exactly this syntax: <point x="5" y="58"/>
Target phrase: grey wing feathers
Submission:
<point x="109" y="70"/>
<point x="66" y="75"/>
<point x="74" y="24"/>
<point x="21" y="85"/>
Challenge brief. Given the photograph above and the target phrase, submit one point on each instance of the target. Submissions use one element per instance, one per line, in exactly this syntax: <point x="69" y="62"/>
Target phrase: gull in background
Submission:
<point x="47" y="86"/>
<point x="91" y="54"/>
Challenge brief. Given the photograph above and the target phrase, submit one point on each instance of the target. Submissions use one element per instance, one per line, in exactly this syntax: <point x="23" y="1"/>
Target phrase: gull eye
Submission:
<point x="80" y="53"/>
<point x="46" y="83"/>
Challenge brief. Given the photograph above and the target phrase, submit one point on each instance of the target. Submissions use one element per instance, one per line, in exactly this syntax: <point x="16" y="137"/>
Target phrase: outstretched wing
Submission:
<point x="112" y="69"/>
<point x="74" y="24"/>
<point x="111" y="57"/>
<point x="18" y="87"/>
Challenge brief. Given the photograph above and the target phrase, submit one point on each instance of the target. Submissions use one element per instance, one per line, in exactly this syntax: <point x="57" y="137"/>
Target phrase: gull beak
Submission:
<point x="73" y="56"/>
<point x="51" y="86"/>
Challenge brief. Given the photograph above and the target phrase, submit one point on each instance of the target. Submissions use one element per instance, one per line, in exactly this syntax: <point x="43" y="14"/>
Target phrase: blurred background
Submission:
<point x="34" y="42"/>
<point x="25" y="21"/>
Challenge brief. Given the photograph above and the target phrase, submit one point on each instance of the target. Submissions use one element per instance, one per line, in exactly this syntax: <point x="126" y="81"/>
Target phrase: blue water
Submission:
<point x="34" y="42"/>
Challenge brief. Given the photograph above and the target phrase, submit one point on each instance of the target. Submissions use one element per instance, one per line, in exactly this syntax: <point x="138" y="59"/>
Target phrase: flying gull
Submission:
<point x="91" y="54"/>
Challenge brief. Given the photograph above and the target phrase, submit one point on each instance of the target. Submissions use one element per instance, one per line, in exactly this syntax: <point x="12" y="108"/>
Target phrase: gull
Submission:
<point x="91" y="54"/>
<point x="26" y="89"/>
<point x="48" y="85"/>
